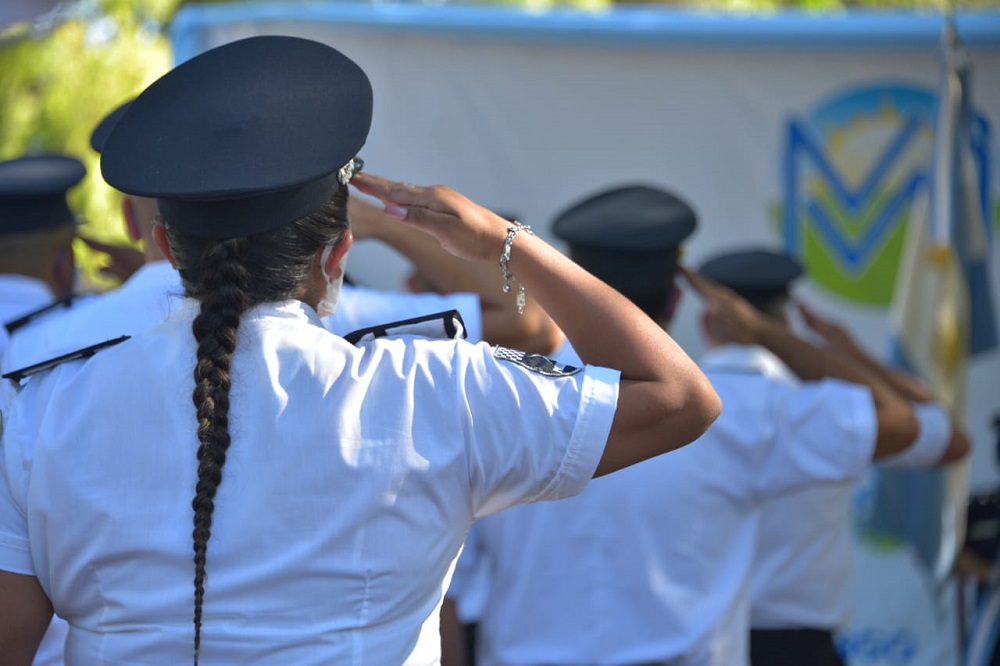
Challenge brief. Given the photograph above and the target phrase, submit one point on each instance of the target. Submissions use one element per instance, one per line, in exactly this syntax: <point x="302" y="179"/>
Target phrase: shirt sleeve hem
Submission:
<point x="598" y="401"/>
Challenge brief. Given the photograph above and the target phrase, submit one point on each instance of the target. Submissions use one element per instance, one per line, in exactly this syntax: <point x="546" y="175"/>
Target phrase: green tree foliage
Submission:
<point x="58" y="81"/>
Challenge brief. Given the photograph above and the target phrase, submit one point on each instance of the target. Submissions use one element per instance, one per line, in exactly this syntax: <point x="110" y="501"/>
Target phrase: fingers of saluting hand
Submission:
<point x="808" y="315"/>
<point x="701" y="285"/>
<point x="462" y="227"/>
<point x="398" y="197"/>
<point x="123" y="251"/>
<point x="424" y="207"/>
<point x="815" y="321"/>
<point x="717" y="297"/>
<point x="125" y="260"/>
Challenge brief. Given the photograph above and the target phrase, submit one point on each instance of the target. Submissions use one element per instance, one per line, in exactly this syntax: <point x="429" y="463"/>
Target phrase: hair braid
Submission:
<point x="229" y="277"/>
<point x="224" y="299"/>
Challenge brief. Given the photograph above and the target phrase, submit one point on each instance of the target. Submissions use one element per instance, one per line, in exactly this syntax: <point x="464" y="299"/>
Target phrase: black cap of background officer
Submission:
<point x="225" y="144"/>
<point x="630" y="237"/>
<point x="761" y="276"/>
<point x="33" y="192"/>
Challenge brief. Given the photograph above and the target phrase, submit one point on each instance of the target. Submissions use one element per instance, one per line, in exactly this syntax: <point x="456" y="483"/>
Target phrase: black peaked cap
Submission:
<point x="754" y="273"/>
<point x="629" y="237"/>
<point x="104" y="127"/>
<point x="244" y="138"/>
<point x="33" y="192"/>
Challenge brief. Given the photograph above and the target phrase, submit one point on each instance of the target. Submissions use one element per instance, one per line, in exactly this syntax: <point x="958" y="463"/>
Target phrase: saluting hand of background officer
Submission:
<point x="730" y="315"/>
<point x="840" y="339"/>
<point x="908" y="386"/>
<point x="733" y="316"/>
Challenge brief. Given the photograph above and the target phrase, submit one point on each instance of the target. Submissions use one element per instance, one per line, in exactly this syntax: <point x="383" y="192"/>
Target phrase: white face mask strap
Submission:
<point x="328" y="305"/>
<point x="323" y="258"/>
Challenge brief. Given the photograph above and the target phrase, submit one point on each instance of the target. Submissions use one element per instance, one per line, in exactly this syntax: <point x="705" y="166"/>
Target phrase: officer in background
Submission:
<point x="37" y="268"/>
<point x="142" y="300"/>
<point x="801" y="580"/>
<point x="652" y="565"/>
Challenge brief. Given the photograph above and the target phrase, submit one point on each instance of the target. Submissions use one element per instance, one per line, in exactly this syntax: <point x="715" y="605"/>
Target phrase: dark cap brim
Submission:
<point x="753" y="271"/>
<point x="254" y="118"/>
<point x="33" y="192"/>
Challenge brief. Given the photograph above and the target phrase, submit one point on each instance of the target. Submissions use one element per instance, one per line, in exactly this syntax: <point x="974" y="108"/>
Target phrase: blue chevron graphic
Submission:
<point x="854" y="255"/>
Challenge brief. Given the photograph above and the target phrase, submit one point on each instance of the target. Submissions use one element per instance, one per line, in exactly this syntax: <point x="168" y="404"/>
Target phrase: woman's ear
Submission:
<point x="706" y="324"/>
<point x="160" y="238"/>
<point x="673" y="301"/>
<point x="334" y="262"/>
<point x="131" y="220"/>
<point x="64" y="271"/>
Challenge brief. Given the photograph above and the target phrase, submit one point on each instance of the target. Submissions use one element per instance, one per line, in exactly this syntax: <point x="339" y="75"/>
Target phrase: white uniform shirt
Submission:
<point x="20" y="295"/>
<point x="143" y="300"/>
<point x="352" y="478"/>
<point x="652" y="563"/>
<point x="802" y="577"/>
<point x="804" y="563"/>
<point x="149" y="295"/>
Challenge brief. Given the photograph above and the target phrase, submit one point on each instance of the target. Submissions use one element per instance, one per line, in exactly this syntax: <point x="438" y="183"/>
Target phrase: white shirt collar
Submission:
<point x="23" y="288"/>
<point x="746" y="359"/>
<point x="155" y="273"/>
<point x="291" y="309"/>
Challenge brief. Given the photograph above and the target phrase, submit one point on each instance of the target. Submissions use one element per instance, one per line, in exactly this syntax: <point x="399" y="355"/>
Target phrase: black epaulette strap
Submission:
<point x="86" y="352"/>
<point x="23" y="320"/>
<point x="448" y="325"/>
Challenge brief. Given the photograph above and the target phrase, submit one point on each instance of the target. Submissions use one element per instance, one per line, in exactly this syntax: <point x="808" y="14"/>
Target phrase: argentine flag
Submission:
<point x="942" y="313"/>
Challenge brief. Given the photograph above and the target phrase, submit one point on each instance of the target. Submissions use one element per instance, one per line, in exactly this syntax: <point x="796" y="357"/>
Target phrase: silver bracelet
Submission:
<point x="505" y="257"/>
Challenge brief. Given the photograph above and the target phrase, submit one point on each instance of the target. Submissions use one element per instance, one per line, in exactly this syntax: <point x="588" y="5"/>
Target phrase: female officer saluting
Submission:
<point x="332" y="485"/>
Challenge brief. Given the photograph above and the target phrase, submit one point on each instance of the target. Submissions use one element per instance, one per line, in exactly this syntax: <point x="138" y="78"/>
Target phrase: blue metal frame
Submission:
<point x="624" y="25"/>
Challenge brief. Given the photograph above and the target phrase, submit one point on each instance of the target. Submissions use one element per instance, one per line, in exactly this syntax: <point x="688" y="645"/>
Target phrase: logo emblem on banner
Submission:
<point x="851" y="169"/>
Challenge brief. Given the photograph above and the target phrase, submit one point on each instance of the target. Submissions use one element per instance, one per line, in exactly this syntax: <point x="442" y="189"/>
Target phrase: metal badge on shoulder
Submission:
<point x="447" y="325"/>
<point x="535" y="362"/>
<point x="18" y="375"/>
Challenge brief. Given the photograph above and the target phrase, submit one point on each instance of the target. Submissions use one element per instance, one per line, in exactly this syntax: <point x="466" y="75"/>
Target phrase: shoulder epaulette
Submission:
<point x="23" y="320"/>
<point x="447" y="325"/>
<point x="17" y="375"/>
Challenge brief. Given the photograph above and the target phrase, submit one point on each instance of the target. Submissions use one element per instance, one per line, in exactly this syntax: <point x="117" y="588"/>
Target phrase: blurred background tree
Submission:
<point x="63" y="65"/>
<point x="60" y="74"/>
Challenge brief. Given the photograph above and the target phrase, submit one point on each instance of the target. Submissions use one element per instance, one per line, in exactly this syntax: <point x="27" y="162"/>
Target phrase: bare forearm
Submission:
<point x="454" y="647"/>
<point x="25" y="613"/>
<point x="906" y="385"/>
<point x="604" y="327"/>
<point x="937" y="428"/>
<point x="665" y="401"/>
<point x="897" y="425"/>
<point x="916" y="391"/>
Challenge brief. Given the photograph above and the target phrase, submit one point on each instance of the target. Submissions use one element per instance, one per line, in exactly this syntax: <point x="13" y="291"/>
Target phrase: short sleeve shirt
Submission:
<point x="352" y="478"/>
<point x="145" y="299"/>
<point x="651" y="564"/>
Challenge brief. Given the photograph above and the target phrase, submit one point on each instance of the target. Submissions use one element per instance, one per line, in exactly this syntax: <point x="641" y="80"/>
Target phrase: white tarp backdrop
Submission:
<point x="811" y="134"/>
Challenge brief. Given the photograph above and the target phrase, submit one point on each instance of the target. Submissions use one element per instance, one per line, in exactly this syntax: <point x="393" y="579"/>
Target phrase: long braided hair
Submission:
<point x="230" y="276"/>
